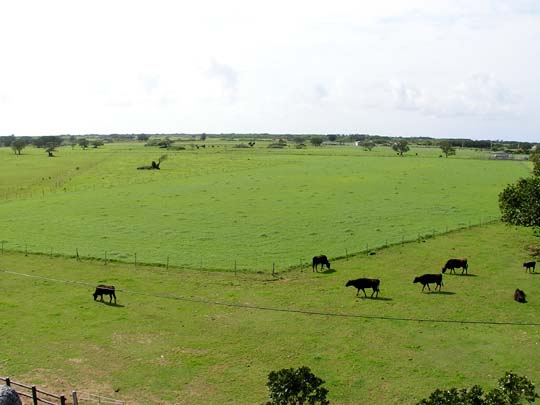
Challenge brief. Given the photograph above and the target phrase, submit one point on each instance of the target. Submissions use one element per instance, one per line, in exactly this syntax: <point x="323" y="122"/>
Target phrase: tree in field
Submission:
<point x="511" y="390"/>
<point x="300" y="386"/>
<point x="331" y="138"/>
<point x="18" y="145"/>
<point x="316" y="140"/>
<point x="401" y="146"/>
<point x="143" y="137"/>
<point x="520" y="202"/>
<point x="96" y="143"/>
<point x="447" y="148"/>
<point x="203" y="137"/>
<point x="83" y="143"/>
<point x="368" y="144"/>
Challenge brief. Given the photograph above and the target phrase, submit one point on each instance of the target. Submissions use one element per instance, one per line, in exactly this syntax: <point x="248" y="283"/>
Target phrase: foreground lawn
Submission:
<point x="187" y="336"/>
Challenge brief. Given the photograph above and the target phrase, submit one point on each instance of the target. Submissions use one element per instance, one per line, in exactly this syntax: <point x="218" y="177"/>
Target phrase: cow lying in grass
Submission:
<point x="519" y="295"/>
<point x="453" y="264"/>
<point x="427" y="279"/>
<point x="529" y="265"/>
<point x="105" y="290"/>
<point x="362" y="283"/>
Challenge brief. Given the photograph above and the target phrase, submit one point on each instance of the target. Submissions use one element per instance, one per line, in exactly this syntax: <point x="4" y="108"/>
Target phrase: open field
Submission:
<point x="166" y="342"/>
<point x="215" y="207"/>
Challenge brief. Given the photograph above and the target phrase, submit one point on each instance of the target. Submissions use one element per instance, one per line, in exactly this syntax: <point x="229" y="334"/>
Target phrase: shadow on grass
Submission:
<point x="329" y="271"/>
<point x="440" y="292"/>
<point x="462" y="275"/>
<point x="375" y="298"/>
<point x="111" y="304"/>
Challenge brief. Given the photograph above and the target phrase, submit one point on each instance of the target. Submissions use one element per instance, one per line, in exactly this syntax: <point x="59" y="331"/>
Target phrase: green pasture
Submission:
<point x="255" y="208"/>
<point x="170" y="341"/>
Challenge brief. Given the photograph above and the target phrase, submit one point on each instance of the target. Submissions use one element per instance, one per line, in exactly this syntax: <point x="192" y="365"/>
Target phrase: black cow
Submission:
<point x="362" y="283"/>
<point x="322" y="260"/>
<point x="529" y="265"/>
<point x="453" y="264"/>
<point x="519" y="295"/>
<point x="105" y="290"/>
<point x="427" y="279"/>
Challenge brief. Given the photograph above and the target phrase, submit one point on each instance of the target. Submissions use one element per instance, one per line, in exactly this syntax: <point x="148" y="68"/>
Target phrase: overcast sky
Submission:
<point x="400" y="68"/>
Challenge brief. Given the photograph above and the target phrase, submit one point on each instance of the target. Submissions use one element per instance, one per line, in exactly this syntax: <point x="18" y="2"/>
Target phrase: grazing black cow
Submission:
<point x="519" y="295"/>
<point x="427" y="279"/>
<point x="453" y="264"/>
<point x="362" y="283"/>
<point x="322" y="260"/>
<point x="529" y="265"/>
<point x="105" y="290"/>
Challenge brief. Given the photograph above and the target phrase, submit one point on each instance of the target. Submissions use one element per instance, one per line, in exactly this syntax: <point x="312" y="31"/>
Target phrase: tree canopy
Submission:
<point x="296" y="386"/>
<point x="520" y="202"/>
<point x="401" y="146"/>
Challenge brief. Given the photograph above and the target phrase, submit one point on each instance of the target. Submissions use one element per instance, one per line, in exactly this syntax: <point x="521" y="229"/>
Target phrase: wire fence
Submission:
<point x="232" y="263"/>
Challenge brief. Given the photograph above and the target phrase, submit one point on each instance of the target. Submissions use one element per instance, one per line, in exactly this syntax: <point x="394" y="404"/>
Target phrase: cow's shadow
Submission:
<point x="462" y="275"/>
<point x="111" y="304"/>
<point x="328" y="271"/>
<point x="440" y="292"/>
<point x="374" y="298"/>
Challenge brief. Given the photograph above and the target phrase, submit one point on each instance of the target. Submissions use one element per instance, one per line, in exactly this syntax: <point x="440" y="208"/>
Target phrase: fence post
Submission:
<point x="74" y="396"/>
<point x="8" y="381"/>
<point x="62" y="400"/>
<point x="273" y="269"/>
<point x="346" y="254"/>
<point x="167" y="262"/>
<point x="135" y="262"/>
<point x="77" y="252"/>
<point x="34" y="395"/>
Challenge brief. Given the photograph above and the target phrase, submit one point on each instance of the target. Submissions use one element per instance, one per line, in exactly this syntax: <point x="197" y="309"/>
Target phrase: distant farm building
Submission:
<point x="500" y="155"/>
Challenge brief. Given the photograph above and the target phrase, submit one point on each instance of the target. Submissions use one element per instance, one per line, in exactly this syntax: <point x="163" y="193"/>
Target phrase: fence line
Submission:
<point x="76" y="397"/>
<point x="235" y="267"/>
<point x="34" y="393"/>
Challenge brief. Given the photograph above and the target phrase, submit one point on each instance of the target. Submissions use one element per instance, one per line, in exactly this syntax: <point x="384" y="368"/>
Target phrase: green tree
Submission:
<point x="83" y="143"/>
<point x="96" y="143"/>
<point x="143" y="137"/>
<point x="18" y="145"/>
<point x="401" y="146"/>
<point x="296" y="386"/>
<point x="368" y="144"/>
<point x="331" y="138"/>
<point x="520" y="202"/>
<point x="511" y="390"/>
<point x="535" y="158"/>
<point x="316" y="140"/>
<point x="447" y="148"/>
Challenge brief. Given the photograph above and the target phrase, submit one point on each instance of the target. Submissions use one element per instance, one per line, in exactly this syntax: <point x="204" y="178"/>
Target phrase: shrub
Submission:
<point x="300" y="386"/>
<point x="512" y="389"/>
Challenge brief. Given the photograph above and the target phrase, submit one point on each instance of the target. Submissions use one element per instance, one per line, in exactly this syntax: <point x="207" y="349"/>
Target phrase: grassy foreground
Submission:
<point x="173" y="345"/>
<point x="215" y="207"/>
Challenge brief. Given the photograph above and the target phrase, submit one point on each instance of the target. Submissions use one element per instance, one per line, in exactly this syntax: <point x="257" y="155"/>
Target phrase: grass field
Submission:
<point x="174" y="345"/>
<point x="259" y="207"/>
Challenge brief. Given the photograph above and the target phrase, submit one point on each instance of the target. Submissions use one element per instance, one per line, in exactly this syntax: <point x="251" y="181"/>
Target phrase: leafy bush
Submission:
<point x="512" y="389"/>
<point x="301" y="386"/>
